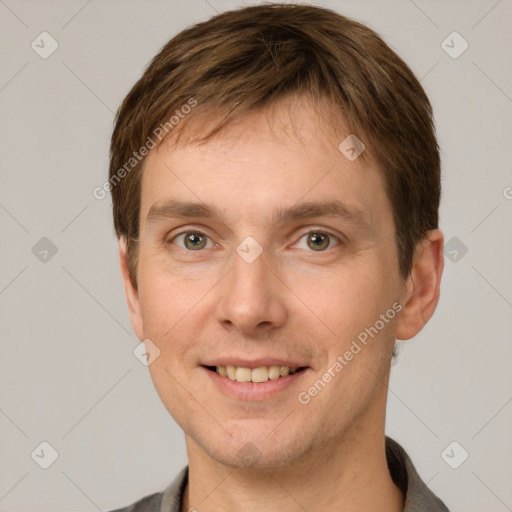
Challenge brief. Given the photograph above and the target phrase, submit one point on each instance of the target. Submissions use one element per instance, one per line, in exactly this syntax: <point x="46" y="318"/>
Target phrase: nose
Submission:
<point x="252" y="298"/>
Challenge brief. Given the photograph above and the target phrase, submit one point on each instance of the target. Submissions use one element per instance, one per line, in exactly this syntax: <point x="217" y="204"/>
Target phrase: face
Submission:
<point x="267" y="247"/>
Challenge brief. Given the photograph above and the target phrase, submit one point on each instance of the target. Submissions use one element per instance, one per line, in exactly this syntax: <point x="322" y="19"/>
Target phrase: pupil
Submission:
<point x="194" y="241"/>
<point x="317" y="241"/>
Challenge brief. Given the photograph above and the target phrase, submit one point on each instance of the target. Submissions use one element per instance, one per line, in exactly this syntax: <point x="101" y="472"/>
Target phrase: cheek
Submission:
<point x="361" y="342"/>
<point x="349" y="299"/>
<point x="173" y="308"/>
<point x="165" y="298"/>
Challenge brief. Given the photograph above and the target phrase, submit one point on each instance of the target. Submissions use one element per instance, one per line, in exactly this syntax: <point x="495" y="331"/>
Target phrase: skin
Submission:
<point x="291" y="302"/>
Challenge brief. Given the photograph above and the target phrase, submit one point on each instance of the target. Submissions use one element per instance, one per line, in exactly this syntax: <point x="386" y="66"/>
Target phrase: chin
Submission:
<point x="256" y="449"/>
<point x="249" y="456"/>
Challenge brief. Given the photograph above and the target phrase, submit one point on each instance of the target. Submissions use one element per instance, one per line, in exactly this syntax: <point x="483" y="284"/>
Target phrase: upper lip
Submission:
<point x="254" y="363"/>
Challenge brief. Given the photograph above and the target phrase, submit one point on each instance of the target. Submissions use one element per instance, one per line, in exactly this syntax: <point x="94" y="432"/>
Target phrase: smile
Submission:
<point x="259" y="374"/>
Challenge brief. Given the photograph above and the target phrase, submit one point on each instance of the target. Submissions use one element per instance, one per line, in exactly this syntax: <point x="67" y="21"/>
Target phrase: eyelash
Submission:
<point x="311" y="231"/>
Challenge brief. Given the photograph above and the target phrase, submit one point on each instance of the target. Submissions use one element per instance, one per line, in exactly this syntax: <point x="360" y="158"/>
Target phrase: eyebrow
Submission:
<point x="188" y="209"/>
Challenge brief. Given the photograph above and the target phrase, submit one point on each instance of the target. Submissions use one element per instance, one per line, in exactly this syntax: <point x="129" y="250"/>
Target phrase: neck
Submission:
<point x="349" y="474"/>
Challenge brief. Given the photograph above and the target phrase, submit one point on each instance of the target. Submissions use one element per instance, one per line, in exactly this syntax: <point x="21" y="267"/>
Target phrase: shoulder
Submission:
<point x="418" y="497"/>
<point x="170" y="500"/>
<point x="149" y="503"/>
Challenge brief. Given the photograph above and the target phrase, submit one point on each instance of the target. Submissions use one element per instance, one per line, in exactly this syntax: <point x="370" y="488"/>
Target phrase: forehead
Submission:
<point x="266" y="161"/>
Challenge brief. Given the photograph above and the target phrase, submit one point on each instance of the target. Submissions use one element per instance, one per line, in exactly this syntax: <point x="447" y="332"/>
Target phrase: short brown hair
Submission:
<point x="248" y="59"/>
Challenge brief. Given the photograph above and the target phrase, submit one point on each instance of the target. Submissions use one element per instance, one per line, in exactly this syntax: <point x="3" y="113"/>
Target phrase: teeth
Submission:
<point x="243" y="375"/>
<point x="230" y="370"/>
<point x="260" y="374"/>
<point x="274" y="372"/>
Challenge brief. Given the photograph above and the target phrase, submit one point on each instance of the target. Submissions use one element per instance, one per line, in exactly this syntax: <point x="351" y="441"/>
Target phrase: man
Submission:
<point x="276" y="179"/>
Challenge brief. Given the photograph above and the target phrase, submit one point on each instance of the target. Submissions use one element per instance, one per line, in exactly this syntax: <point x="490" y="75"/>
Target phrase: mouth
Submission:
<point x="259" y="374"/>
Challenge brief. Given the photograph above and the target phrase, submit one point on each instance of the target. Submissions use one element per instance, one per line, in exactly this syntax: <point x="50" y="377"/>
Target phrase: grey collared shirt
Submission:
<point x="418" y="497"/>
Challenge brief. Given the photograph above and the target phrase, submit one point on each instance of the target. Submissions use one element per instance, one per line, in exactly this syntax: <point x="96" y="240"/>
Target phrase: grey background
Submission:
<point x="68" y="373"/>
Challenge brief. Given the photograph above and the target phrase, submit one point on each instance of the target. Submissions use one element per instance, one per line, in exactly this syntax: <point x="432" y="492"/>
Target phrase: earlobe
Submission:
<point x="131" y="293"/>
<point x="422" y="287"/>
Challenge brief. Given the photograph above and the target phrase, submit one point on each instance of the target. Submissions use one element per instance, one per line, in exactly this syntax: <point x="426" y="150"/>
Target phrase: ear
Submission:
<point x="132" y="295"/>
<point x="423" y="286"/>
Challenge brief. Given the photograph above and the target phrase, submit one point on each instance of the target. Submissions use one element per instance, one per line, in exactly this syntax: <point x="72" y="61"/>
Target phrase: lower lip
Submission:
<point x="256" y="391"/>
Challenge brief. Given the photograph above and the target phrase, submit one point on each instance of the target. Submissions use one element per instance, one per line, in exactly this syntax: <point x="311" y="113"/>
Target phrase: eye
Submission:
<point x="317" y="241"/>
<point x="192" y="241"/>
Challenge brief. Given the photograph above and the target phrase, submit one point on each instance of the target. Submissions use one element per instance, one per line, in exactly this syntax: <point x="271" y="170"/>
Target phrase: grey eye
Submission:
<point x="316" y="240"/>
<point x="192" y="240"/>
